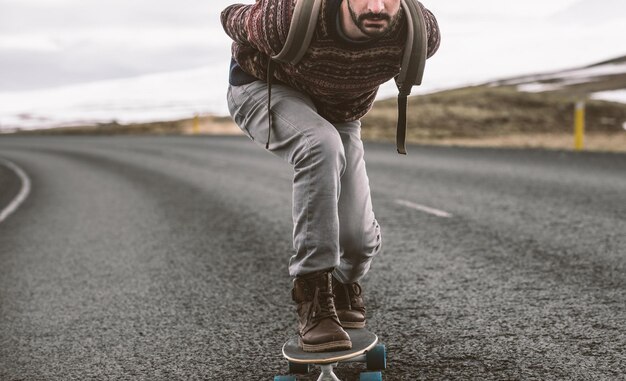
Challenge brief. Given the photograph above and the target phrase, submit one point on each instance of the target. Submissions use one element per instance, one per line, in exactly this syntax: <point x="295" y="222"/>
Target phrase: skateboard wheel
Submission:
<point x="296" y="368"/>
<point x="371" y="376"/>
<point x="376" y="358"/>
<point x="284" y="378"/>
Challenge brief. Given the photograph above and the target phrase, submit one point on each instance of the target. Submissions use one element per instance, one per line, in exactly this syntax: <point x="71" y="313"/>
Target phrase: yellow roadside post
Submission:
<point x="579" y="125"/>
<point x="196" y="124"/>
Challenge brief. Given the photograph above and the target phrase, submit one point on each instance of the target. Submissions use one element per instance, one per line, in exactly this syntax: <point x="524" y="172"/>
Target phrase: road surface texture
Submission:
<point x="144" y="258"/>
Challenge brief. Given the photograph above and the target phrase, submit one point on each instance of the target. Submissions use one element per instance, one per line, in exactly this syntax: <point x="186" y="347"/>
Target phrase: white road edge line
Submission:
<point x="21" y="196"/>
<point x="425" y="209"/>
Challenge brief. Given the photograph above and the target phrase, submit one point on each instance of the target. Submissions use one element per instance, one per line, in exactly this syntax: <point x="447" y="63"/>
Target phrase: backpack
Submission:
<point x="302" y="29"/>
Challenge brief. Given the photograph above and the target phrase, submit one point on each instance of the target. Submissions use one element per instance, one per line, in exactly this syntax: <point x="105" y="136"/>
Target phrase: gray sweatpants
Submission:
<point x="334" y="224"/>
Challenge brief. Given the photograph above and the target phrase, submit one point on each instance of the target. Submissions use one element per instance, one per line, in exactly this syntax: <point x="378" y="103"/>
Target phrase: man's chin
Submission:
<point x="374" y="31"/>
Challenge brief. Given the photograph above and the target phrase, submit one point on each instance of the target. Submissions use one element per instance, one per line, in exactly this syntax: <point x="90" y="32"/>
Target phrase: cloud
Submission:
<point x="586" y="12"/>
<point x="116" y="55"/>
<point x="57" y="42"/>
<point x="472" y="11"/>
<point x="28" y="42"/>
<point x="53" y="15"/>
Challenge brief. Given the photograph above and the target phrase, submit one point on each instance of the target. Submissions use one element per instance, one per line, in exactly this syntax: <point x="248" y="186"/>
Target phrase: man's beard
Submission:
<point x="372" y="31"/>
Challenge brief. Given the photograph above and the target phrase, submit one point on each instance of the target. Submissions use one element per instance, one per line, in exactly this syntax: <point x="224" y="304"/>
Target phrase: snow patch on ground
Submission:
<point x="580" y="75"/>
<point x="613" y="95"/>
<point x="559" y="80"/>
<point x="537" y="87"/>
<point x="164" y="96"/>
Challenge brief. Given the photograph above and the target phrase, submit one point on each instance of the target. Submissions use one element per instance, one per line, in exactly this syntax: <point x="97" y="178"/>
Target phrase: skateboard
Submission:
<point x="365" y="349"/>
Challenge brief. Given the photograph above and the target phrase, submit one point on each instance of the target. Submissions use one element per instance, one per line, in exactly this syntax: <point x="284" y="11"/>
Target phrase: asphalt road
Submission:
<point x="166" y="258"/>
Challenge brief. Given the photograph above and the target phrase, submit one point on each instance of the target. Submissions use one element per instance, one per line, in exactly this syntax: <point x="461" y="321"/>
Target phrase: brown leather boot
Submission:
<point x="349" y="304"/>
<point x="318" y="324"/>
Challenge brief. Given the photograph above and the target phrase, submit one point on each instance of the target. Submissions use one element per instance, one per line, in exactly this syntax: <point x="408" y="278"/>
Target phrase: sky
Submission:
<point x="55" y="43"/>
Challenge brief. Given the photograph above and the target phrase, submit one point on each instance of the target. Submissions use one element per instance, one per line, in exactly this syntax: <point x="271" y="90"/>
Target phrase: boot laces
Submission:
<point x="346" y="297"/>
<point x="351" y="293"/>
<point x="323" y="306"/>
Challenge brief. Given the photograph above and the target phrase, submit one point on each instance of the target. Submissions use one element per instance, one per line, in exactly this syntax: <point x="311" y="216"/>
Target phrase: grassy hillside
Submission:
<point x="484" y="111"/>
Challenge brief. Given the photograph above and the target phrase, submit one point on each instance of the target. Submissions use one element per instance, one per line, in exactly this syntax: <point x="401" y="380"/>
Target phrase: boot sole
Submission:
<point x="353" y="324"/>
<point x="326" y="347"/>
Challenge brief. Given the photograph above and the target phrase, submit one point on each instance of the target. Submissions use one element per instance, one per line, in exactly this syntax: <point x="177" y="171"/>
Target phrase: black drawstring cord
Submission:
<point x="270" y="77"/>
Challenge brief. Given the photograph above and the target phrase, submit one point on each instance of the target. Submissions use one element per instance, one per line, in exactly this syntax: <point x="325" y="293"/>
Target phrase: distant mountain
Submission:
<point x="611" y="61"/>
<point x="603" y="77"/>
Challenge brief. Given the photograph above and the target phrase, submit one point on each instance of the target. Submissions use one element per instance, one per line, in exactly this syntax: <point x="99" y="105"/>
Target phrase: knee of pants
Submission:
<point x="324" y="150"/>
<point x="361" y="247"/>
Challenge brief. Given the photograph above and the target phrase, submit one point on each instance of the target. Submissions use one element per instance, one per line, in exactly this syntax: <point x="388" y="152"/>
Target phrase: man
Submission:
<point x="315" y="126"/>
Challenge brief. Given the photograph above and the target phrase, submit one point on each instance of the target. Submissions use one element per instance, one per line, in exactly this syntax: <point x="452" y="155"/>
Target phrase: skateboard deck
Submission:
<point x="365" y="348"/>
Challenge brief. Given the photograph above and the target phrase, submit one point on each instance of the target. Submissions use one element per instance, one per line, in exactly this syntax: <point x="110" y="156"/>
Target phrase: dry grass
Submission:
<point x="207" y="125"/>
<point x="593" y="142"/>
<point x="499" y="116"/>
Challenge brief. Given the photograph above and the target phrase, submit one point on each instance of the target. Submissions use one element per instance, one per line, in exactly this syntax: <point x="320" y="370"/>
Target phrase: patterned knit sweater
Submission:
<point x="341" y="76"/>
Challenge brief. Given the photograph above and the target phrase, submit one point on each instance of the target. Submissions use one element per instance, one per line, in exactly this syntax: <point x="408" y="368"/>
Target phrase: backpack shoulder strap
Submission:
<point x="413" y="64"/>
<point x="416" y="48"/>
<point x="301" y="30"/>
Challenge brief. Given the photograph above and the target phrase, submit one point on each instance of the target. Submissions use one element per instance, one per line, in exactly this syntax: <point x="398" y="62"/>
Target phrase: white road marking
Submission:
<point x="21" y="196"/>
<point x="423" y="208"/>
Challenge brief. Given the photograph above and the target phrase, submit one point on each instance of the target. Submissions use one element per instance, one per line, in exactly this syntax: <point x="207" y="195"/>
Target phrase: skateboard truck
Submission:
<point x="327" y="373"/>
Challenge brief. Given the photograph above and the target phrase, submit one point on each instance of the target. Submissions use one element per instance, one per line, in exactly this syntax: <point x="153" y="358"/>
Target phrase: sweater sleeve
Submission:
<point x="432" y="29"/>
<point x="263" y="25"/>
